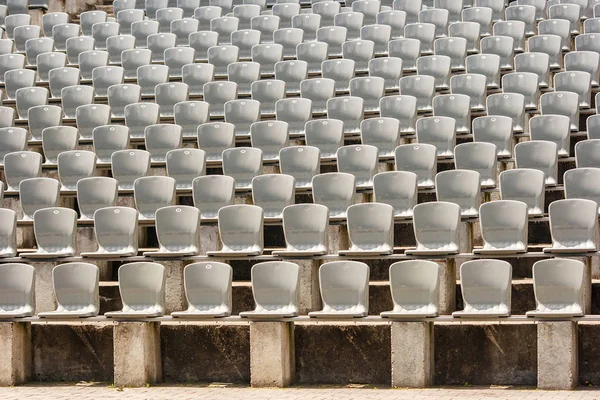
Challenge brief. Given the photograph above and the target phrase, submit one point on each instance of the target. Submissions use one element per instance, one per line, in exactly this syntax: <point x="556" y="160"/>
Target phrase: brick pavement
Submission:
<point x="168" y="392"/>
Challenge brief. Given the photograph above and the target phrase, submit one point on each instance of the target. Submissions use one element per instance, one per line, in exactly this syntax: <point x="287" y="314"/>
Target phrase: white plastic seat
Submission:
<point x="547" y="44"/>
<point x="76" y="289"/>
<point x="94" y="193"/>
<point x="207" y="290"/>
<point x="438" y="17"/>
<point x="524" y="13"/>
<point x="410" y="7"/>
<point x="270" y="137"/>
<point x="344" y="290"/>
<point x="318" y="91"/>
<point x="60" y="78"/>
<point x="462" y="187"/>
<point x="152" y="6"/>
<point x="23" y="33"/>
<point x="115" y="229"/>
<point x="352" y="21"/>
<point x="12" y="139"/>
<point x="540" y="155"/>
<point x="538" y="63"/>
<point x="176" y="58"/>
<point x="152" y="193"/>
<point x="305" y="229"/>
<point x="593" y="127"/>
<point x="148" y="76"/>
<point x="125" y="18"/>
<point x="74" y="96"/>
<point x="273" y="192"/>
<point x="9" y="62"/>
<point x="526" y="186"/>
<point x="470" y="31"/>
<point x="267" y="55"/>
<point x="347" y="109"/>
<point x="62" y="32"/>
<point x="587" y="61"/>
<point x="177" y="230"/>
<point x="455" y="106"/>
<point x="502" y="46"/>
<point x="387" y="68"/>
<point x="242" y="114"/>
<point x="486" y="289"/>
<point x="142" y="30"/>
<point x="471" y="85"/>
<point x="205" y="14"/>
<point x="36" y="194"/>
<point x="128" y="165"/>
<point x="398" y="189"/>
<point x="240" y="230"/>
<point x="487" y="65"/>
<point x="16" y="79"/>
<point x="55" y="233"/>
<point x="91" y="59"/>
<point x="266" y="24"/>
<point x="579" y="82"/>
<point x="50" y="20"/>
<point x="100" y="33"/>
<point x="510" y="105"/>
<point x="35" y="47"/>
<point x="415" y="289"/>
<point x="335" y="190"/>
<point x="383" y="133"/>
<point x="56" y="139"/>
<point x="244" y="40"/>
<point x="360" y="161"/>
<point x="132" y="59"/>
<point x="420" y="159"/>
<point x="184" y="165"/>
<point x="160" y="139"/>
<point x="74" y="165"/>
<point x="558" y="27"/>
<point x="327" y="10"/>
<point x="439" y="132"/>
<point x="325" y="134"/>
<point x="482" y="16"/>
<point x="301" y="162"/>
<point x="142" y="288"/>
<point x="168" y="94"/>
<point x="213" y="138"/>
<point x="570" y="12"/>
<point x="370" y="89"/>
<point x="503" y="227"/>
<point x="361" y="51"/>
<point x="453" y="47"/>
<point x="553" y="128"/>
<point x="286" y="12"/>
<point x="380" y="35"/>
<point x="587" y="42"/>
<point x="17" y="290"/>
<point x="313" y="53"/>
<point x="91" y="116"/>
<point x="292" y="73"/>
<point x="119" y="5"/>
<point x="27" y="98"/>
<point x="424" y="33"/>
<point x="216" y="94"/>
<point x="340" y="71"/>
<point x="15" y="20"/>
<point x="395" y="19"/>
<point x="513" y="29"/>
<point x="436" y="228"/>
<point x="195" y="76"/>
<point x="562" y="103"/>
<point x="221" y="57"/>
<point x="525" y="83"/>
<point x="479" y="157"/>
<point x="212" y="192"/>
<point x="183" y="28"/>
<point x="573" y="225"/>
<point x="40" y="117"/>
<point x="371" y="229"/>
<point x="158" y="43"/>
<point x="436" y="66"/>
<point x="309" y="23"/>
<point x="243" y="164"/>
<point x="120" y="96"/>
<point x="558" y="287"/>
<point x="421" y="87"/>
<point x="201" y="41"/>
<point x="289" y="38"/>
<point x="108" y="139"/>
<point x="580" y="183"/>
<point x="48" y="61"/>
<point x="104" y="77"/>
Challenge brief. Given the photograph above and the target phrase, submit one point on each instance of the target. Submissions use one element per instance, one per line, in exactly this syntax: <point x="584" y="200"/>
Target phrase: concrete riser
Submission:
<point x="474" y="354"/>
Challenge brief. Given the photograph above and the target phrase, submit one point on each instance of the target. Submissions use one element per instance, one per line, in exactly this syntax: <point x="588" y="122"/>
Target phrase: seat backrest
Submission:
<point x="273" y="192"/>
<point x="178" y="229"/>
<point x="414" y="284"/>
<point x="152" y="193"/>
<point x="17" y="288"/>
<point x="142" y="286"/>
<point x="55" y="230"/>
<point x="116" y="230"/>
<point x="335" y="190"/>
<point x="76" y="287"/>
<point x="275" y="286"/>
<point x="208" y="284"/>
<point x="305" y="227"/>
<point x="504" y="225"/>
<point x="558" y="285"/>
<point x="436" y="226"/>
<point x="212" y="192"/>
<point x="459" y="186"/>
<point x="344" y="285"/>
<point x="241" y="228"/>
<point x="38" y="193"/>
<point x="419" y="158"/>
<point x="574" y="224"/>
<point x="524" y="185"/>
<point x="371" y="227"/>
<point x="486" y="286"/>
<point x="94" y="193"/>
<point x="8" y="232"/>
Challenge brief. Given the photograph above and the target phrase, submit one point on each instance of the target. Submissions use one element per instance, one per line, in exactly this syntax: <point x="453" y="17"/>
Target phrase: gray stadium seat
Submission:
<point x="17" y="290"/>
<point x="486" y="289"/>
<point x="74" y="165"/>
<point x="160" y="139"/>
<point x="116" y="230"/>
<point x="38" y="193"/>
<point x="305" y="228"/>
<point x="212" y="192"/>
<point x="94" y="193"/>
<point x="344" y="290"/>
<point x="178" y="232"/>
<point x="128" y="165"/>
<point x="325" y="134"/>
<point x="56" y="139"/>
<point x="243" y="164"/>
<point x="494" y="129"/>
<point x="152" y="193"/>
<point x="479" y="157"/>
<point x="370" y="229"/>
<point x="524" y="185"/>
<point x="21" y="165"/>
<point x="214" y="137"/>
<point x="270" y="137"/>
<point x="573" y="225"/>
<point x="273" y="192"/>
<point x="335" y="190"/>
<point x="142" y="288"/>
<point x="436" y="228"/>
<point x="55" y="230"/>
<point x="461" y="187"/>
<point x="540" y="155"/>
<point x="553" y="128"/>
<point x="503" y="227"/>
<point x="138" y="116"/>
<point x="240" y="230"/>
<point x="439" y="132"/>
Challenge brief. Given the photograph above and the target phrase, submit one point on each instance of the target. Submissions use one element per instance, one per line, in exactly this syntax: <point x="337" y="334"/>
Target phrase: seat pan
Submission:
<point x="199" y="314"/>
<point x="232" y="253"/>
<point x="483" y="315"/>
<point x="406" y="315"/>
<point x="42" y="255"/>
<point x="267" y="315"/>
<point x="337" y="314"/>
<point x="17" y="314"/>
<point x="298" y="253"/>
<point x="569" y="250"/>
<point x="416" y="252"/>
<point x="132" y="314"/>
<point x="353" y="253"/>
<point x="169" y="254"/>
<point x="62" y="314"/>
<point x="499" y="251"/>
<point x="542" y="314"/>
<point x="98" y="254"/>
